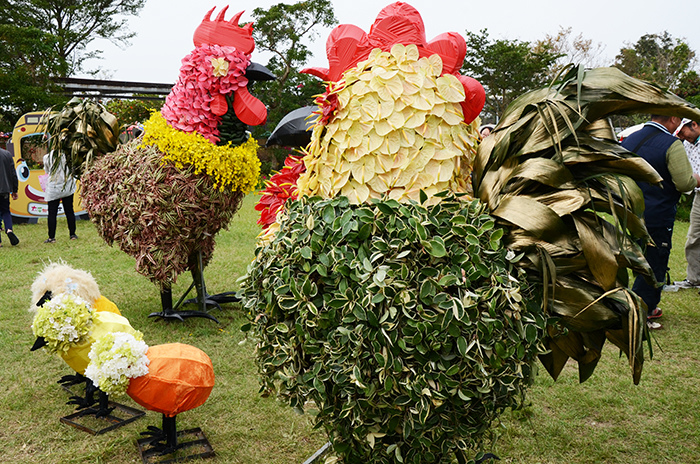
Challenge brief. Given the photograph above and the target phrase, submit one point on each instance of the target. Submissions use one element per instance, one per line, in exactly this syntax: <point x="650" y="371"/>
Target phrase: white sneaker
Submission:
<point x="654" y="325"/>
<point x="686" y="284"/>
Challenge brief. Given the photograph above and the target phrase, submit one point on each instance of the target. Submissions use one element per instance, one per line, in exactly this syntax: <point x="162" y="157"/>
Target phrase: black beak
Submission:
<point x="258" y="72"/>
<point x="45" y="297"/>
<point x="39" y="343"/>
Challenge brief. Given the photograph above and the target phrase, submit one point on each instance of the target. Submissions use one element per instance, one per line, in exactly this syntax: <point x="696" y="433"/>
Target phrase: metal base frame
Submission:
<point x="121" y="415"/>
<point x="195" y="436"/>
<point x="319" y="454"/>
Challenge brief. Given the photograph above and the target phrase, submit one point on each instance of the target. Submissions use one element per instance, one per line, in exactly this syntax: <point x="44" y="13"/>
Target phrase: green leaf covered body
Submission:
<point x="408" y="327"/>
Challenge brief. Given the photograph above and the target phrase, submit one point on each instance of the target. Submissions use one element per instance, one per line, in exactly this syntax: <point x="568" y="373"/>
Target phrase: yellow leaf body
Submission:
<point x="398" y="129"/>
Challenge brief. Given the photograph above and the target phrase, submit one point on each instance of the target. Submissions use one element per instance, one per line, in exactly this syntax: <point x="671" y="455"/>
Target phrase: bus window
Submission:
<point x="33" y="147"/>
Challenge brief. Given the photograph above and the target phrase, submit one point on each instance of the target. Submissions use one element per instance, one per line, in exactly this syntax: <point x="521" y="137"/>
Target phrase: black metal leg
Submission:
<point x="166" y="300"/>
<point x="164" y="440"/>
<point x="170" y="430"/>
<point x="204" y="299"/>
<point x="103" y="401"/>
<point x="158" y="443"/>
<point x="88" y="400"/>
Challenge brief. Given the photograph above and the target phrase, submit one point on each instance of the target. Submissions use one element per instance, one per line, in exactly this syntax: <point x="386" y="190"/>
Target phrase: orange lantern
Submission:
<point x="180" y="377"/>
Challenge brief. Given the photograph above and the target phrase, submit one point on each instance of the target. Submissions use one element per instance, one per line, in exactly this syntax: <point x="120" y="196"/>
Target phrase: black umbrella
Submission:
<point x="294" y="130"/>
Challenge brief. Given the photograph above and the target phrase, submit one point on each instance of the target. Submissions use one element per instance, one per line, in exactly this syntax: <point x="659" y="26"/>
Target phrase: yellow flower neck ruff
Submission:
<point x="398" y="128"/>
<point x="230" y="167"/>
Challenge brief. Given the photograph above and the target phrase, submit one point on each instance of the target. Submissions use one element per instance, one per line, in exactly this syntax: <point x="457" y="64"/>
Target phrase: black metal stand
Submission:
<point x="167" y="445"/>
<point x="166" y="300"/>
<point x="91" y="420"/>
<point x="69" y="380"/>
<point x="203" y="299"/>
<point x="318" y="454"/>
<point x="86" y="399"/>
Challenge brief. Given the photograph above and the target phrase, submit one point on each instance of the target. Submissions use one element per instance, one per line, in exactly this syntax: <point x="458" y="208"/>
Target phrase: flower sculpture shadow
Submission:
<point x="164" y="196"/>
<point x="418" y="276"/>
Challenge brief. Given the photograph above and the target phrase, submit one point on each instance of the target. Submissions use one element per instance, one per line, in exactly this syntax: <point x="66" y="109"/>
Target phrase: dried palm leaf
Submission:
<point x="553" y="172"/>
<point x="82" y="130"/>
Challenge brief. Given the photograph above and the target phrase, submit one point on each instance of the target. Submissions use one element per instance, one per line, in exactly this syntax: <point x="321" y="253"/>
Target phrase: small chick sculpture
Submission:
<point x="68" y="325"/>
<point x="169" y="378"/>
<point x="60" y="278"/>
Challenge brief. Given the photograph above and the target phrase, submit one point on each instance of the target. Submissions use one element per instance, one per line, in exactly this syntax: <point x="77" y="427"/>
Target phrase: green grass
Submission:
<point x="242" y="426"/>
<point x="608" y="419"/>
<point x="605" y="420"/>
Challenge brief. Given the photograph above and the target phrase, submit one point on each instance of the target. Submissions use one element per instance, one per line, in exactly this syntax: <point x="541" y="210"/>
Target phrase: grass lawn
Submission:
<point x="605" y="420"/>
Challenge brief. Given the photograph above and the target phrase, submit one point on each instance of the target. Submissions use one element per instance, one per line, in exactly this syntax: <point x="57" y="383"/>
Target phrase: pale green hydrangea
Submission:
<point x="64" y="322"/>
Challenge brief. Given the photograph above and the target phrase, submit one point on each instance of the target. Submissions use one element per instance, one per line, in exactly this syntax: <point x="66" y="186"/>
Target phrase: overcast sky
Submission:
<point x="164" y="28"/>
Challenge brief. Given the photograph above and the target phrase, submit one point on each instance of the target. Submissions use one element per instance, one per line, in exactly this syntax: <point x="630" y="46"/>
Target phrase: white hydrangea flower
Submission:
<point x="115" y="358"/>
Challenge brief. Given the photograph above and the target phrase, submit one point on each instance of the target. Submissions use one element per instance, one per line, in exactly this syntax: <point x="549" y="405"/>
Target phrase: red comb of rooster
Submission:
<point x="396" y="23"/>
<point x="225" y="33"/>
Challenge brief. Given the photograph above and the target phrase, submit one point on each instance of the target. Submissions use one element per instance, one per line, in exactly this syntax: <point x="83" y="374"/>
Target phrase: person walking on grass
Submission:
<point x="60" y="188"/>
<point x="8" y="188"/>
<point x="689" y="132"/>
<point x="665" y="153"/>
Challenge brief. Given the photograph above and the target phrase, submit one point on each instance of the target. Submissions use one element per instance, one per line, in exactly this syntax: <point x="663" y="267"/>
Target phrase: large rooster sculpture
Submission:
<point x="414" y="281"/>
<point x="163" y="197"/>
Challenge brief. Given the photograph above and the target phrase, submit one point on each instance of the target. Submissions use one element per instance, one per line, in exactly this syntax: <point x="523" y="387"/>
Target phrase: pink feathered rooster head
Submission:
<point x="214" y="76"/>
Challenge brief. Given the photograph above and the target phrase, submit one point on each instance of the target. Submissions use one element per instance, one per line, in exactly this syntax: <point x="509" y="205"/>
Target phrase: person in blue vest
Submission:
<point x="656" y="144"/>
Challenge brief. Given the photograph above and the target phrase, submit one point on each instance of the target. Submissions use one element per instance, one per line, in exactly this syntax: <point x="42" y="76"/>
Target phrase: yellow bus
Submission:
<point x="28" y="147"/>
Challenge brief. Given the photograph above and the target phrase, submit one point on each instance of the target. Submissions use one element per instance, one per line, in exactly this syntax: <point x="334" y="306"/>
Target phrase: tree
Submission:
<point x="657" y="58"/>
<point x="283" y="30"/>
<point x="577" y="50"/>
<point x="28" y="62"/>
<point x="133" y="111"/>
<point x="506" y="69"/>
<point x="75" y="24"/>
<point x="689" y="87"/>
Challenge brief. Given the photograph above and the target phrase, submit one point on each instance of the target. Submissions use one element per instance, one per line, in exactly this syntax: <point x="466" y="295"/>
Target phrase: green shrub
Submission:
<point x="685" y="204"/>
<point x="408" y="327"/>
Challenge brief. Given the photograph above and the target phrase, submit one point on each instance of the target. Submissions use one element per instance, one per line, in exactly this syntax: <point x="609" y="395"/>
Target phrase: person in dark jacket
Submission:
<point x="8" y="187"/>
<point x="665" y="153"/>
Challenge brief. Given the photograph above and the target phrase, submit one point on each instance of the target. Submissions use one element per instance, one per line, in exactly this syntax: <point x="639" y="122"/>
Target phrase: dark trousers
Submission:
<point x="657" y="257"/>
<point x="5" y="210"/>
<point x="67" y="210"/>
